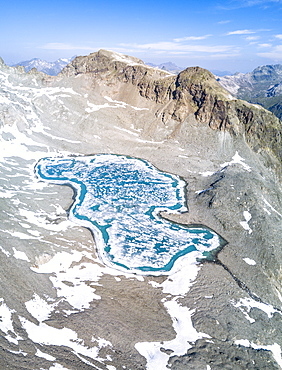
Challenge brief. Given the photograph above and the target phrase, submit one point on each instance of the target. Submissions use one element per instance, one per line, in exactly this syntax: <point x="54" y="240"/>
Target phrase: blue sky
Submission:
<point x="232" y="35"/>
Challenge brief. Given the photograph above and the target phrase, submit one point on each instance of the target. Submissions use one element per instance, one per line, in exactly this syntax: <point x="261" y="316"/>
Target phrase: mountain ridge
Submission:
<point x="194" y="91"/>
<point x="53" y="68"/>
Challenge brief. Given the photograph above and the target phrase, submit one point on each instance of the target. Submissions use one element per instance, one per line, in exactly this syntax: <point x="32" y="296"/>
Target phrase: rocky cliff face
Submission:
<point x="194" y="91"/>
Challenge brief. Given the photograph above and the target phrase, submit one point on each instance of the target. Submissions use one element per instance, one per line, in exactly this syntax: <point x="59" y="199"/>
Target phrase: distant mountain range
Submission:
<point x="261" y="86"/>
<point x="168" y="66"/>
<point x="50" y="68"/>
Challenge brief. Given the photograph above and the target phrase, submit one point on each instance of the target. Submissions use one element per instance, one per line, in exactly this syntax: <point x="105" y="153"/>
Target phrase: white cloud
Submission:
<point x="192" y="38"/>
<point x="240" y="32"/>
<point x="265" y="45"/>
<point x="191" y="56"/>
<point x="62" y="46"/>
<point x="219" y="56"/>
<point x="224" y="22"/>
<point x="258" y="2"/>
<point x="278" y="37"/>
<point x="169" y="46"/>
<point x="275" y="53"/>
<point x="237" y="4"/>
<point x="252" y="38"/>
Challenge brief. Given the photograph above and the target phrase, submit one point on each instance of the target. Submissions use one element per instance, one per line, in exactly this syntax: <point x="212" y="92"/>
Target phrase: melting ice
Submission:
<point x="119" y="198"/>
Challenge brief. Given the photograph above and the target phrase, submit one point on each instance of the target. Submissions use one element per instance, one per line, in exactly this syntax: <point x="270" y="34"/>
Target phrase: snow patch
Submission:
<point x="185" y="334"/>
<point x="39" y="219"/>
<point x="47" y="335"/>
<point x="125" y="130"/>
<point x="73" y="279"/>
<point x="206" y="174"/>
<point x="246" y="304"/>
<point x="116" y="104"/>
<point x="6" y="323"/>
<point x="245" y="224"/>
<point x="44" y="355"/>
<point x="58" y="367"/>
<point x="270" y="206"/>
<point x="237" y="159"/>
<point x="39" y="308"/>
<point x="177" y="285"/>
<point x="65" y="267"/>
<point x="249" y="261"/>
<point x="123" y="103"/>
<point x="20" y="255"/>
<point x="7" y="254"/>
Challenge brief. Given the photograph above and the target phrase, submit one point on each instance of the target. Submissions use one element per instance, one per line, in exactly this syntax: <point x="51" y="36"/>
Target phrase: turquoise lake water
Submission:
<point x="119" y="198"/>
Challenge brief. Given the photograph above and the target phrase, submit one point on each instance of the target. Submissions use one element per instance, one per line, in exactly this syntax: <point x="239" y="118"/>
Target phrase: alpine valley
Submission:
<point x="62" y="306"/>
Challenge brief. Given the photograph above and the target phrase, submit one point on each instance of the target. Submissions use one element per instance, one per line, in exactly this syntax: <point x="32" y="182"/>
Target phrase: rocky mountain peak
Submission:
<point x="105" y="63"/>
<point x="203" y="80"/>
<point x="197" y="73"/>
<point x="119" y="57"/>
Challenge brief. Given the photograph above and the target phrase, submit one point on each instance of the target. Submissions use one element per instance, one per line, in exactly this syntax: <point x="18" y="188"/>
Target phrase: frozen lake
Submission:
<point x="119" y="198"/>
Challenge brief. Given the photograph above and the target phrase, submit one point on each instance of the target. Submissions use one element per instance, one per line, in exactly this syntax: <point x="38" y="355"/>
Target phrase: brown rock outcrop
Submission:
<point x="193" y="91"/>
